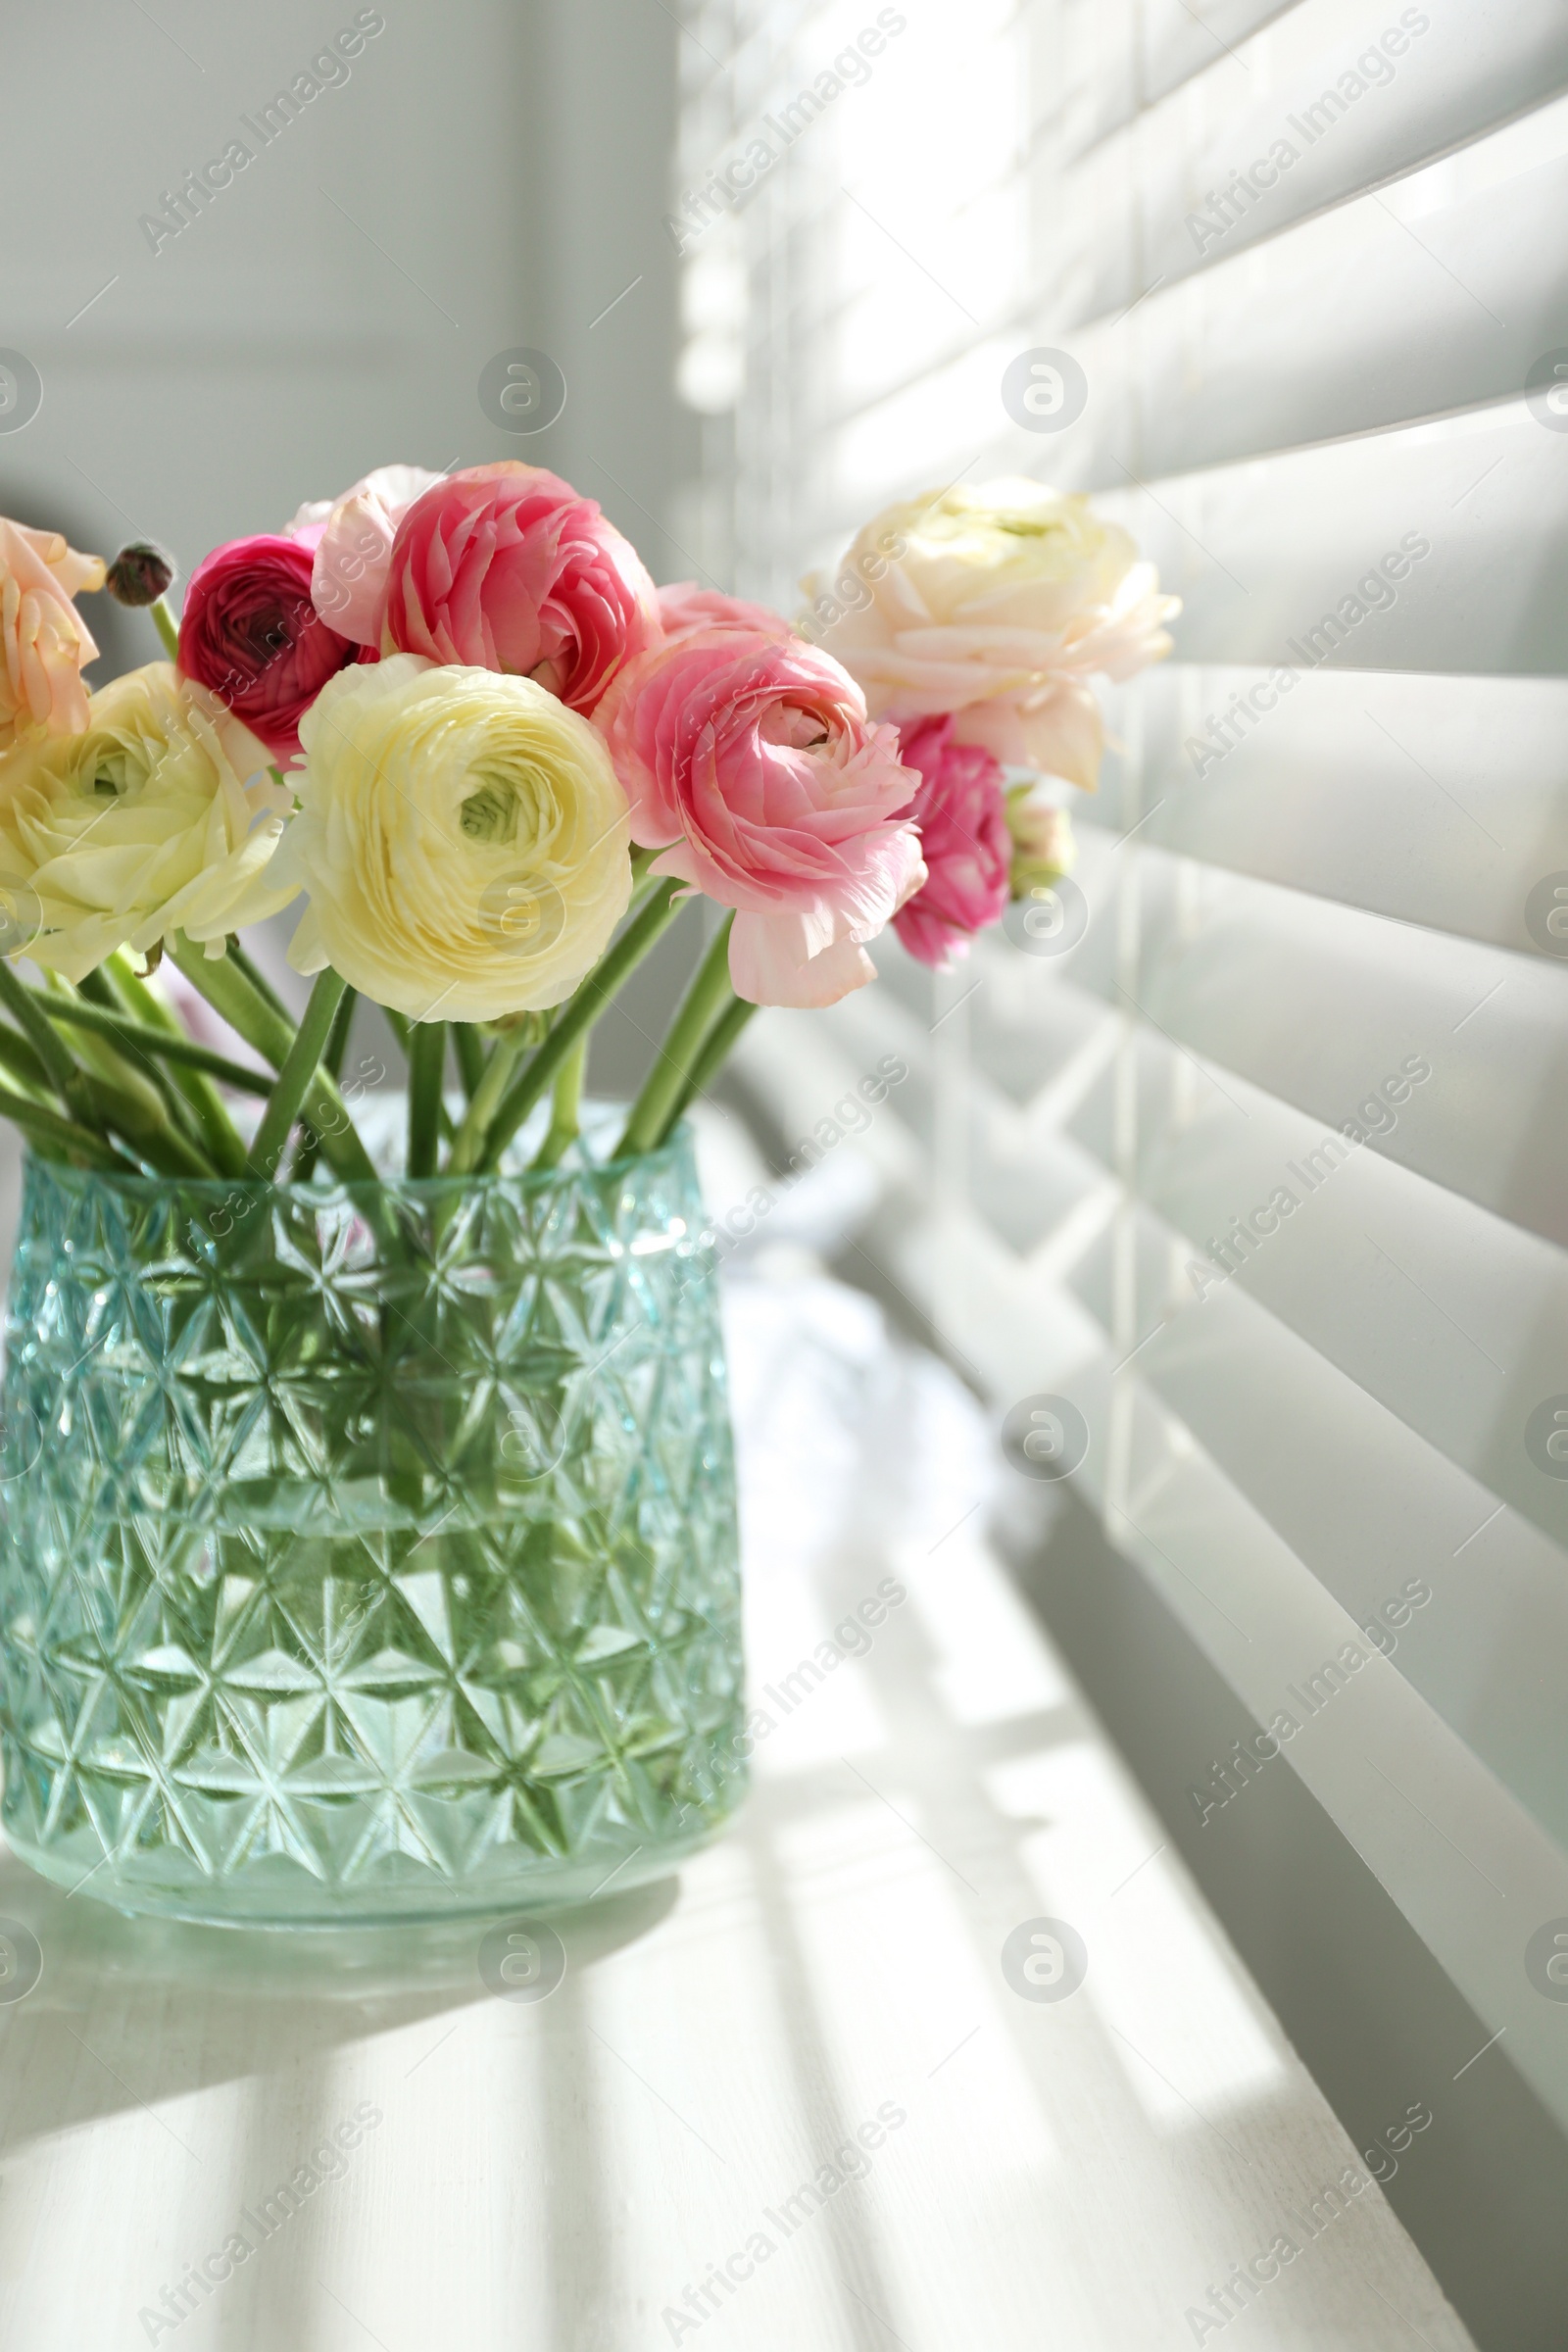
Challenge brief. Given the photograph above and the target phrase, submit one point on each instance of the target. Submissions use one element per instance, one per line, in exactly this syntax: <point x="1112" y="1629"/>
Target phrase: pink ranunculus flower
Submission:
<point x="749" y="761"/>
<point x="44" y="643"/>
<point x="1006" y="601"/>
<point x="684" y="608"/>
<point x="250" y="633"/>
<point x="352" y="538"/>
<point x="507" y="567"/>
<point x="960" y="813"/>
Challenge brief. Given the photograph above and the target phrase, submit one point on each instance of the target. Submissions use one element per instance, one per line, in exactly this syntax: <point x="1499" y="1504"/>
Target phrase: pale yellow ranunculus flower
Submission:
<point x="461" y="837"/>
<point x="160" y="817"/>
<point x="998" y="603"/>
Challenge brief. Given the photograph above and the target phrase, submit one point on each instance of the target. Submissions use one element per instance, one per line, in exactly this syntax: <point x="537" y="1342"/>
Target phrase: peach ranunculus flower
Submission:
<point x="44" y="643"/>
<point x="1007" y="601"/>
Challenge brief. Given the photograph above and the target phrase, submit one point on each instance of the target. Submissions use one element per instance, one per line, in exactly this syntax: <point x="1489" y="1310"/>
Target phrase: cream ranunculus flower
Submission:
<point x="1006" y="601"/>
<point x="161" y="817"/>
<point x="461" y="837"/>
<point x="44" y="643"/>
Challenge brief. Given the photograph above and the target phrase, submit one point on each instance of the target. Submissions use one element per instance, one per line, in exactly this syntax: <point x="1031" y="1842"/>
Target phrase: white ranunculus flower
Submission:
<point x="161" y="817"/>
<point x="1004" y="603"/>
<point x="461" y="837"/>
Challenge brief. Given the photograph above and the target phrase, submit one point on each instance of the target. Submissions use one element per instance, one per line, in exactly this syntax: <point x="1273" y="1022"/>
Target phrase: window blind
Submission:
<point x="1263" y="1172"/>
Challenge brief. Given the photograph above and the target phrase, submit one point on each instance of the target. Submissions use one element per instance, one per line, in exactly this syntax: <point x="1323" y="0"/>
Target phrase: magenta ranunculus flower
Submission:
<point x="506" y="567"/>
<point x="960" y="811"/>
<point x="748" y="759"/>
<point x="250" y="633"/>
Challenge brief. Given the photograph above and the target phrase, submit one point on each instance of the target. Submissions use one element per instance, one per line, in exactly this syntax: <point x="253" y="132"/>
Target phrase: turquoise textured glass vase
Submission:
<point x="368" y="1552"/>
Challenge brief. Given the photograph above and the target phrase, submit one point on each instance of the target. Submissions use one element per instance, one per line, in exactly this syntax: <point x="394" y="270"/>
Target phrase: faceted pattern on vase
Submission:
<point x="365" y="1551"/>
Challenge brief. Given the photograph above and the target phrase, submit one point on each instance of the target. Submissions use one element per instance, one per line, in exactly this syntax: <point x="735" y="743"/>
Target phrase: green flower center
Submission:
<point x="491" y="814"/>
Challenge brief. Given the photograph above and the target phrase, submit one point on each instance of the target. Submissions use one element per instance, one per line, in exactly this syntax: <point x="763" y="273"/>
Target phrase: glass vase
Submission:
<point x="368" y="1552"/>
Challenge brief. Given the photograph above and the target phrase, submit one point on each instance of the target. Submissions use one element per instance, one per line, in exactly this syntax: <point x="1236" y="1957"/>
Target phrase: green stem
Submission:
<point x="205" y="1105"/>
<point x="97" y="1101"/>
<point x="485" y="1074"/>
<point x="469" y="1145"/>
<point x="19" y="1058"/>
<point x="65" y="1076"/>
<point x="337" y="1044"/>
<point x="94" y="1051"/>
<point x="171" y="1047"/>
<point x="167" y="625"/>
<point x="129" y="1102"/>
<point x="230" y="991"/>
<point x="271" y="1035"/>
<point x="401" y="1029"/>
<point x="94" y="986"/>
<point x="62" y="1139"/>
<point x="716" y="1050"/>
<point x="252" y="971"/>
<point x="104" y="1094"/>
<point x="152" y="1137"/>
<point x="657" y="1105"/>
<point x="643" y="883"/>
<point x="469" y="1048"/>
<point x="428" y="1062"/>
<point x="294" y="1079"/>
<point x="104" y="1064"/>
<point x="565" y="1107"/>
<point x="577" y="1014"/>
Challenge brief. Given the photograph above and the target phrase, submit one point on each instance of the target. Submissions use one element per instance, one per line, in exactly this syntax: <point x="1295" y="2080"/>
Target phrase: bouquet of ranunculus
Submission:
<point x="452" y="715"/>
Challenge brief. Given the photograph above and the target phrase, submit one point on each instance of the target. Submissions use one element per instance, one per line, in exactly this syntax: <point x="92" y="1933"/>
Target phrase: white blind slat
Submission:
<point x="1439" y="800"/>
<point x="1268" y="555"/>
<point x="1143" y="198"/>
<point x="1385" y="326"/>
<point x="1313" y="417"/>
<point x="1317" y="1005"/>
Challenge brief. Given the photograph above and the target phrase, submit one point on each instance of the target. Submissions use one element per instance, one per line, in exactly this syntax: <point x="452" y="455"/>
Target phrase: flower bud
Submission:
<point x="535" y="1026"/>
<point x="139" y="574"/>
<point x="1042" y="848"/>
